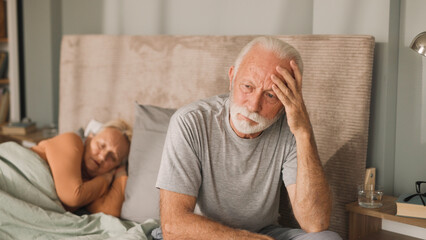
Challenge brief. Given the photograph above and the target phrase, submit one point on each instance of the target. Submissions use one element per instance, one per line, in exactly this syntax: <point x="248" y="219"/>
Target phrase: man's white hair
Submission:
<point x="282" y="50"/>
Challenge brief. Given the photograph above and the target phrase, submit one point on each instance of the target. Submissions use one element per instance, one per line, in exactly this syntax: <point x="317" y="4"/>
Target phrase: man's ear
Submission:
<point x="231" y="76"/>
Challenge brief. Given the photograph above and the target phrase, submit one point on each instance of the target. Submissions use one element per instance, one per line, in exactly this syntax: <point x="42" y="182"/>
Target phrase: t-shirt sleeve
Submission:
<point x="289" y="167"/>
<point x="180" y="168"/>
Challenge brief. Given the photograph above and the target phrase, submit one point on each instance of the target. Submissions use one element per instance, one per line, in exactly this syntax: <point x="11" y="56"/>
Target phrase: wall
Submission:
<point x="82" y="17"/>
<point x="410" y="146"/>
<point x="398" y="98"/>
<point x="397" y="142"/>
<point x="46" y="20"/>
<point x="38" y="61"/>
<point x="395" y="146"/>
<point x="220" y="17"/>
<point x="381" y="19"/>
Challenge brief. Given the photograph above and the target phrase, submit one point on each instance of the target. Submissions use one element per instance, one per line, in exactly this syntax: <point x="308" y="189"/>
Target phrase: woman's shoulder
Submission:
<point x="68" y="139"/>
<point x="69" y="136"/>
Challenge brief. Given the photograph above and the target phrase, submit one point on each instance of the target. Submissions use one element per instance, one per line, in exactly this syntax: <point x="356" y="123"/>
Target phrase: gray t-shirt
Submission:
<point x="236" y="181"/>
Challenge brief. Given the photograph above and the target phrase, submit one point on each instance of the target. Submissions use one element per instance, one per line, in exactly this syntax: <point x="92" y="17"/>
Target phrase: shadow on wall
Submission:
<point x="342" y="172"/>
<point x="382" y="121"/>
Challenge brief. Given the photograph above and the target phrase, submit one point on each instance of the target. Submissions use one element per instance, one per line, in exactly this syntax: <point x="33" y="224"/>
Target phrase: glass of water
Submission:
<point x="370" y="196"/>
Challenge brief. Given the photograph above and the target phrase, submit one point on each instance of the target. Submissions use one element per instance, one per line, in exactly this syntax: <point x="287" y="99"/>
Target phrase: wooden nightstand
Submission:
<point x="366" y="223"/>
<point x="27" y="140"/>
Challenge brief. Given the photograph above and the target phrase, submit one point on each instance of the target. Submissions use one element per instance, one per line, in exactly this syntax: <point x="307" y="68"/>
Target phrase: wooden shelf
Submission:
<point x="33" y="137"/>
<point x="4" y="81"/>
<point x="366" y="223"/>
<point x="387" y="211"/>
<point x="3" y="40"/>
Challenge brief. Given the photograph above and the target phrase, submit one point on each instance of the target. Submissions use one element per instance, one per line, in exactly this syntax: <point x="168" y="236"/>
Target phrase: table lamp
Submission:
<point x="419" y="44"/>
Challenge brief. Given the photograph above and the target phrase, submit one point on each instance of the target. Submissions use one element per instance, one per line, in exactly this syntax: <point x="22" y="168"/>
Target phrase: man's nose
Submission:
<point x="254" y="104"/>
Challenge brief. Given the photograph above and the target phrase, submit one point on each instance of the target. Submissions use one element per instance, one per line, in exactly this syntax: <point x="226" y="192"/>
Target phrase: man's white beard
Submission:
<point x="244" y="126"/>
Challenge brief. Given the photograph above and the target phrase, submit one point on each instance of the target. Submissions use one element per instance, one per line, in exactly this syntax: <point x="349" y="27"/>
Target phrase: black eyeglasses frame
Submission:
<point x="418" y="189"/>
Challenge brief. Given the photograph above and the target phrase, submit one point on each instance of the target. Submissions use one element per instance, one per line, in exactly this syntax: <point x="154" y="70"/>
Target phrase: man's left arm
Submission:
<point x="310" y="197"/>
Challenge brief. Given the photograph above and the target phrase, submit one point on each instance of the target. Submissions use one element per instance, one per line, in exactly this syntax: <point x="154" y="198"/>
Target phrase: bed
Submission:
<point x="143" y="79"/>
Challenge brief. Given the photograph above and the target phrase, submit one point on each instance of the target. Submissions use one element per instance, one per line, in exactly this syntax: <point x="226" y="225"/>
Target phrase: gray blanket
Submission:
<point x="30" y="208"/>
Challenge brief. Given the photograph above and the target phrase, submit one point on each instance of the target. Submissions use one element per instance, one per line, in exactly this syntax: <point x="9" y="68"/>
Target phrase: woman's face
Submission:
<point x="105" y="151"/>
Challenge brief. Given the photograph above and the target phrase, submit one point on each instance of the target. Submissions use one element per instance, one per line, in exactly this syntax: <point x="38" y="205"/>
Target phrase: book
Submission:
<point x="413" y="208"/>
<point x="2" y="90"/>
<point x="3" y="63"/>
<point x="4" y="106"/>
<point x="19" y="128"/>
<point x="3" y="19"/>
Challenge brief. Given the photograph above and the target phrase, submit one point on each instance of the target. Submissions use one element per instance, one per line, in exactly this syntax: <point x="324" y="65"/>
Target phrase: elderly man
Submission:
<point x="227" y="154"/>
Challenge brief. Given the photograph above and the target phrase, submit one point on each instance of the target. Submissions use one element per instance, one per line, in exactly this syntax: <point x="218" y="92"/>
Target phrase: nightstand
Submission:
<point x="27" y="140"/>
<point x="366" y="223"/>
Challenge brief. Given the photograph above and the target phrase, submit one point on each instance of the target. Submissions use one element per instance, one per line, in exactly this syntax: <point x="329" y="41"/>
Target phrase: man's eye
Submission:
<point x="270" y="95"/>
<point x="246" y="88"/>
<point x="271" y="98"/>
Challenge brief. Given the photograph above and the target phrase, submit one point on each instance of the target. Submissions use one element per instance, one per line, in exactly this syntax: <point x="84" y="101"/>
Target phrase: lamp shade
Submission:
<point x="419" y="44"/>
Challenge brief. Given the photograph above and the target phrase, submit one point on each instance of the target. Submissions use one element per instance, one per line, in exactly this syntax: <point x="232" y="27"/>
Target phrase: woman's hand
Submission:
<point x="109" y="176"/>
<point x="121" y="171"/>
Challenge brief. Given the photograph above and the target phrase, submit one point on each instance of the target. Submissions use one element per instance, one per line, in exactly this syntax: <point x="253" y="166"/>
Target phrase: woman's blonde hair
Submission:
<point x="122" y="126"/>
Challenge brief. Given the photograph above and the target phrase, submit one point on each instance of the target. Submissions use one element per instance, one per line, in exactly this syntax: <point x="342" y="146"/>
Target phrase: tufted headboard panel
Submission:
<point x="101" y="76"/>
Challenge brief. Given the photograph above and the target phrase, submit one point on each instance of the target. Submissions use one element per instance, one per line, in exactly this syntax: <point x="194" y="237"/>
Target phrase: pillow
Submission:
<point x="92" y="127"/>
<point x="149" y="132"/>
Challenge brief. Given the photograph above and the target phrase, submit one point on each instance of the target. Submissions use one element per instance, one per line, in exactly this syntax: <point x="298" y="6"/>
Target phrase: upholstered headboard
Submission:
<point x="102" y="76"/>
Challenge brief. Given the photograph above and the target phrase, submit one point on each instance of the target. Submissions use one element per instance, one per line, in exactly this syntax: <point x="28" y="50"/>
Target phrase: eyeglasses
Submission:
<point x="418" y="189"/>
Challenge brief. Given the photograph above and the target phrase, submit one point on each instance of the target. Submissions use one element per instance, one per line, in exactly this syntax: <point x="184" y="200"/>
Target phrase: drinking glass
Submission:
<point x="370" y="195"/>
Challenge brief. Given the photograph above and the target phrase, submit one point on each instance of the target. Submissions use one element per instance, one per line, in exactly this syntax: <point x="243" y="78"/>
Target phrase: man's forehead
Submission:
<point x="258" y="54"/>
<point x="265" y="69"/>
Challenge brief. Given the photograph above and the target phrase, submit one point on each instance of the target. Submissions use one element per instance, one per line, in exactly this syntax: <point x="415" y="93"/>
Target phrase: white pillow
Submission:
<point x="92" y="127"/>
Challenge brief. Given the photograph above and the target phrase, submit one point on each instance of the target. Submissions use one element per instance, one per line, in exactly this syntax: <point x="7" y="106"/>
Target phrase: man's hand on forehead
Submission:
<point x="284" y="67"/>
<point x="288" y="83"/>
<point x="288" y="88"/>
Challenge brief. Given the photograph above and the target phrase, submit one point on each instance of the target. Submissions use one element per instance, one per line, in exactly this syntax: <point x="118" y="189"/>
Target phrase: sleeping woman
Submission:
<point x="90" y="173"/>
